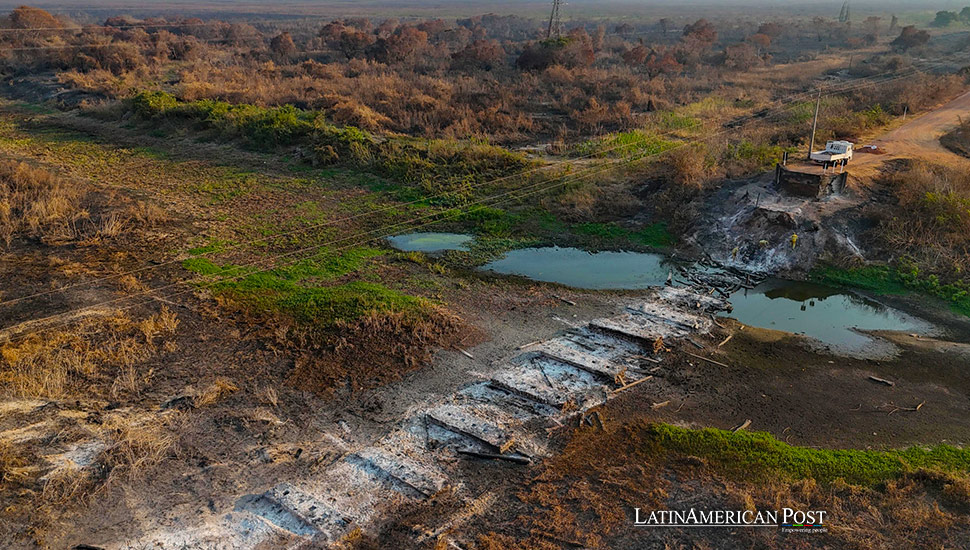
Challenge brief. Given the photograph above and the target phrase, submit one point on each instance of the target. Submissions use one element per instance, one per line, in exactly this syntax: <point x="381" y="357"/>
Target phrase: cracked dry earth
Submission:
<point x="508" y="415"/>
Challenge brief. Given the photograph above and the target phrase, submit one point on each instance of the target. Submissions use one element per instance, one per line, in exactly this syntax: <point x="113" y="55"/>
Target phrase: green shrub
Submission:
<point x="906" y="275"/>
<point x="153" y="104"/>
<point x="436" y="167"/>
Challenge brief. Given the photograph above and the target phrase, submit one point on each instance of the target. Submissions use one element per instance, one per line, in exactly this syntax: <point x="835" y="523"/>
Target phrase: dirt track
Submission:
<point x="920" y="137"/>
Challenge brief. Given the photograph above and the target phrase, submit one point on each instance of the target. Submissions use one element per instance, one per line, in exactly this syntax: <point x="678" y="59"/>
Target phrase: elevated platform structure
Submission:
<point x="810" y="181"/>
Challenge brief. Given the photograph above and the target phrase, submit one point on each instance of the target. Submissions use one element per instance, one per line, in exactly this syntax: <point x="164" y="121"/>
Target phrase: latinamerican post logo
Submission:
<point x="788" y="520"/>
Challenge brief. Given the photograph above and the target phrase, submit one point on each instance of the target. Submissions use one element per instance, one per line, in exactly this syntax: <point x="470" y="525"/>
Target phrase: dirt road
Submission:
<point x="919" y="138"/>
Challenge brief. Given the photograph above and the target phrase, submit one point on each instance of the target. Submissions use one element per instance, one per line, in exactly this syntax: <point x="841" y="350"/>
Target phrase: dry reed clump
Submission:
<point x="932" y="219"/>
<point x="14" y="463"/>
<point x="134" y="445"/>
<point x="220" y="388"/>
<point x="98" y="356"/>
<point x="36" y="203"/>
<point x="269" y="396"/>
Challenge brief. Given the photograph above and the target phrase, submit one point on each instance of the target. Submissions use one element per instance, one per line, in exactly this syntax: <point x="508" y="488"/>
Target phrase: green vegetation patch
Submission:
<point x="444" y="169"/>
<point x="745" y="452"/>
<point x="489" y="221"/>
<point x="626" y="145"/>
<point x="301" y="290"/>
<point x="669" y="120"/>
<point x="756" y="156"/>
<point x="875" y="279"/>
<point x="213" y="246"/>
<point x="655" y="235"/>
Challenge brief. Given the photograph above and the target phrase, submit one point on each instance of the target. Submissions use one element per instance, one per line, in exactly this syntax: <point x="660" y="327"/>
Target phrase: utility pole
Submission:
<point x="811" y="143"/>
<point x="555" y="20"/>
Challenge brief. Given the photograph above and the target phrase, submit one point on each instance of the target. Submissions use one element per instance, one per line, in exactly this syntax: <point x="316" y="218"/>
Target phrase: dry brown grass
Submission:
<point x="70" y="454"/>
<point x="13" y="463"/>
<point x="98" y="354"/>
<point x="216" y="391"/>
<point x="47" y="479"/>
<point x="137" y="444"/>
<point x="35" y="203"/>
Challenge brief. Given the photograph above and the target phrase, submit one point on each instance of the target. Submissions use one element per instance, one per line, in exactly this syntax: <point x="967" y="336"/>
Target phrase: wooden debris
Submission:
<point x="631" y="384"/>
<point x="507" y="446"/>
<point x="658" y="345"/>
<point x="620" y="378"/>
<point x="714" y="320"/>
<point x="546" y="377"/>
<point x="726" y="340"/>
<point x="660" y="405"/>
<point x="465" y="353"/>
<point x="563" y="300"/>
<point x="573" y="337"/>
<point x="743" y="426"/>
<point x="493" y="456"/>
<point x="565" y="322"/>
<point x="588" y="419"/>
<point x="882" y="381"/>
<point x="692" y="341"/>
<point x="530" y="344"/>
<point x="702" y="358"/>
<point x="908" y="409"/>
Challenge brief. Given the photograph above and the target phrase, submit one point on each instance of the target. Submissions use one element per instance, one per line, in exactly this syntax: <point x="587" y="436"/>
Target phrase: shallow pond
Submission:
<point x="430" y="242"/>
<point x="824" y="313"/>
<point x="580" y="269"/>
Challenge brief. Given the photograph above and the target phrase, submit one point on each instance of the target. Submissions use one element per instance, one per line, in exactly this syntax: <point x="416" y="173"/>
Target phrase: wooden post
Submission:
<point x="811" y="143"/>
